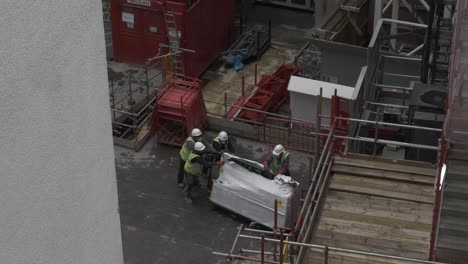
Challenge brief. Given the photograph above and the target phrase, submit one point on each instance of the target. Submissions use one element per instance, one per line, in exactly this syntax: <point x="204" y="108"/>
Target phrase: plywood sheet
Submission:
<point x="393" y="166"/>
<point x="383" y="188"/>
<point x="384" y="174"/>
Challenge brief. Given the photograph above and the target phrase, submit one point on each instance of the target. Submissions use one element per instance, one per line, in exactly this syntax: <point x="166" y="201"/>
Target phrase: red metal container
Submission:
<point x="139" y="26"/>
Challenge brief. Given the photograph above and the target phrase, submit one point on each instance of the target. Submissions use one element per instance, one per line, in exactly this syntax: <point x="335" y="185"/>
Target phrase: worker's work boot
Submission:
<point x="188" y="198"/>
<point x="187" y="194"/>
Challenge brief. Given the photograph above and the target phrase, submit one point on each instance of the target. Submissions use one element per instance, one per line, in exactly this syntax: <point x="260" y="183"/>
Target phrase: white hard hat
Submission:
<point x="199" y="146"/>
<point x="196" y="132"/>
<point x="223" y="136"/>
<point x="278" y="150"/>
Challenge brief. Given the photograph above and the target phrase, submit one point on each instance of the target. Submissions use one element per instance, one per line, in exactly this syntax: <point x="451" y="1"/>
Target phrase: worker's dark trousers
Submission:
<point x="180" y="174"/>
<point x="190" y="182"/>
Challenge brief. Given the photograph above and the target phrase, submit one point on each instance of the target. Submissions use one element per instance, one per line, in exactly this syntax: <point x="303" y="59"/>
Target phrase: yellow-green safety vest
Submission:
<point x="193" y="168"/>
<point x="185" y="151"/>
<point x="277" y="165"/>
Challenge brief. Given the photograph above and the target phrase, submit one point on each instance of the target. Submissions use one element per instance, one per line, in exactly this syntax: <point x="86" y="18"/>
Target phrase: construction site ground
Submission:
<point x="158" y="226"/>
<point x="285" y="44"/>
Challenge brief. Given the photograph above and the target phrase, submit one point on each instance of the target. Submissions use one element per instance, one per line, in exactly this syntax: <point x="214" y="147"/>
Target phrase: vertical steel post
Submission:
<point x="281" y="247"/>
<point x="225" y="104"/>
<point x="276" y="215"/>
<point x="394" y="26"/>
<point x="243" y="86"/>
<point x="318" y="126"/>
<point x="437" y="203"/>
<point x="147" y="84"/>
<point x="376" y="134"/>
<point x="377" y="13"/>
<point x="262" y="249"/>
<point x="258" y="43"/>
<point x="130" y="93"/>
<point x="112" y="98"/>
<point x="325" y="255"/>
<point x="255" y="73"/>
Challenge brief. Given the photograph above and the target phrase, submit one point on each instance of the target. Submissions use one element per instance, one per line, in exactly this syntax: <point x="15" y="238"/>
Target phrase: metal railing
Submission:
<point x="302" y="231"/>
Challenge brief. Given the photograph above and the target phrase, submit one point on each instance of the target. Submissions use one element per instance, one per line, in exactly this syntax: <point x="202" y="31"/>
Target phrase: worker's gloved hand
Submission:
<point x="220" y="163"/>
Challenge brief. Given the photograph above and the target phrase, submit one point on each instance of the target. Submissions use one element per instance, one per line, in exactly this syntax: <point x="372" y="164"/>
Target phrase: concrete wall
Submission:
<point x="323" y="9"/>
<point x="58" y="195"/>
<point x="341" y="62"/>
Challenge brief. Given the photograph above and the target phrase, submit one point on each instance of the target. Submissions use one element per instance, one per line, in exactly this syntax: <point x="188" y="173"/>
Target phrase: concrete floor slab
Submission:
<point x="157" y="225"/>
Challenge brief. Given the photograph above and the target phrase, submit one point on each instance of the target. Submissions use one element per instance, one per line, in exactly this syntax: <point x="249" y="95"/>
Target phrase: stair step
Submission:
<point x="455" y="207"/>
<point x="453" y="223"/>
<point x="452" y="242"/>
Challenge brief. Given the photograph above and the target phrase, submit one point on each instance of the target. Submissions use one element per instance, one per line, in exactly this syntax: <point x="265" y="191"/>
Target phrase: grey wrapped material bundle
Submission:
<point x="252" y="195"/>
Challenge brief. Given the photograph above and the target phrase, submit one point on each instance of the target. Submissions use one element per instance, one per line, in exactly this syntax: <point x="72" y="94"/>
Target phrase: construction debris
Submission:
<point x="250" y="44"/>
<point x="309" y="60"/>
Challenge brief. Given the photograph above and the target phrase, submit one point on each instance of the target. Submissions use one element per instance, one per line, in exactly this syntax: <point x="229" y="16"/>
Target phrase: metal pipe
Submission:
<point x="243" y="86"/>
<point x="309" y="192"/>
<point x="328" y="151"/>
<point x="281" y="247"/>
<point x="383" y="141"/>
<point x="276" y="215"/>
<point x="310" y="226"/>
<point x="237" y="238"/>
<point x="325" y="255"/>
<point x="377" y="13"/>
<point x="340" y="250"/>
<point x="389" y="124"/>
<point x="262" y="248"/>
<point x="376" y="132"/>
<point x="394" y="26"/>
<point x="418" y="48"/>
<point x="262" y="231"/>
<point x="401" y="58"/>
<point x="401" y="75"/>
<point x="255" y="251"/>
<point x="239" y="257"/>
<point x="425" y="5"/>
<point x="255" y="74"/>
<point x="225" y="104"/>
<point x="389" y="105"/>
<point x="122" y="124"/>
<point x="393" y="87"/>
<point x="406" y="23"/>
<point x="387" y="6"/>
<point x="318" y="127"/>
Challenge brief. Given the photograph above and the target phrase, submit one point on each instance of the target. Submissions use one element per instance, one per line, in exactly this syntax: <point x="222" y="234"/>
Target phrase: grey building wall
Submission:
<point x="58" y="194"/>
<point x="341" y="63"/>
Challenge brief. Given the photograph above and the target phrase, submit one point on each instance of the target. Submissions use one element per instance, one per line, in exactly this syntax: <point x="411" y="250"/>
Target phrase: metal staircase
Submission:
<point x="452" y="244"/>
<point x="442" y="43"/>
<point x="452" y="235"/>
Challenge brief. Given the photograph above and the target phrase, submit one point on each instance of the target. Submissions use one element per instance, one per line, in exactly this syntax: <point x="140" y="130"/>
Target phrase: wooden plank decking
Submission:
<point x="375" y="205"/>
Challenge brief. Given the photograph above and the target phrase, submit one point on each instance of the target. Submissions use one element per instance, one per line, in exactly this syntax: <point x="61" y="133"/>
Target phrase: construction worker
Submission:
<point x="277" y="161"/>
<point x="193" y="168"/>
<point x="222" y="143"/>
<point x="195" y="136"/>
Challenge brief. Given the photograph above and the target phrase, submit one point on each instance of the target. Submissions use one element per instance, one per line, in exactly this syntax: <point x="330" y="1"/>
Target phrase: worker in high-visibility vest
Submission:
<point x="277" y="161"/>
<point x="195" y="136"/>
<point x="193" y="168"/>
<point x="222" y="143"/>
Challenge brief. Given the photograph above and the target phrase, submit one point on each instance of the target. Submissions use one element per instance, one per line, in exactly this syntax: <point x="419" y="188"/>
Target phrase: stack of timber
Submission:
<point x="375" y="205"/>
